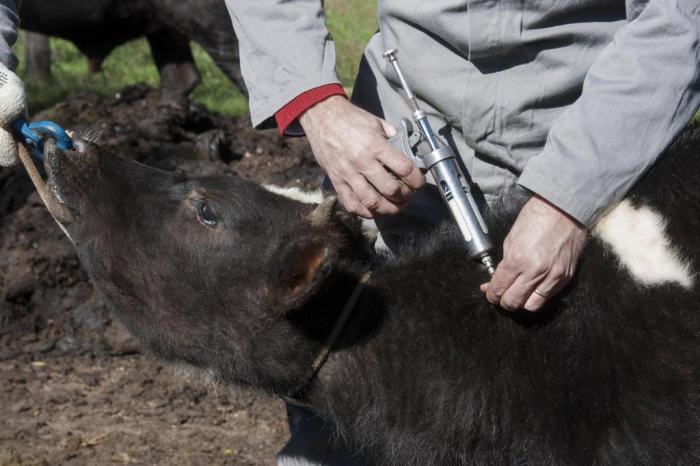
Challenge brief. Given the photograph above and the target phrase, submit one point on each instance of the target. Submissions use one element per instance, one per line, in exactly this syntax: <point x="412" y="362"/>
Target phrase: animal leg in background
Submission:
<point x="173" y="58"/>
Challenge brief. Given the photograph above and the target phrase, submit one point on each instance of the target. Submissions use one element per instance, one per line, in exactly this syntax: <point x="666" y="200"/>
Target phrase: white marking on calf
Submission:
<point x="307" y="197"/>
<point x="638" y="237"/>
<point x="369" y="228"/>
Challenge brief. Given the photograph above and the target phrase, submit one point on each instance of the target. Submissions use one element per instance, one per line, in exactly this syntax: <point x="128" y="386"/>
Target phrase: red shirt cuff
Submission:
<point x="304" y="101"/>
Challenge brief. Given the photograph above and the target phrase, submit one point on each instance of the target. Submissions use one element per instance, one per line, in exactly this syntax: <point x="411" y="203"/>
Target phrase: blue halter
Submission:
<point x="32" y="135"/>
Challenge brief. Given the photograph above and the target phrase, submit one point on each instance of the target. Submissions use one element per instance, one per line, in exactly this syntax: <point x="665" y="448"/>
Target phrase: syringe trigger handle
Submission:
<point x="409" y="141"/>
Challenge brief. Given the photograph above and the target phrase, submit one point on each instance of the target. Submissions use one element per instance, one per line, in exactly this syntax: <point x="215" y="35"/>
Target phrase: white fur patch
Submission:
<point x="369" y="228"/>
<point x="638" y="237"/>
<point x="307" y="197"/>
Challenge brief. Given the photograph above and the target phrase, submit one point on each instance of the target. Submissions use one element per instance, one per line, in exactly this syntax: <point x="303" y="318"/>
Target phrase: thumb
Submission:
<point x="389" y="129"/>
<point x="12" y="97"/>
<point x="8" y="148"/>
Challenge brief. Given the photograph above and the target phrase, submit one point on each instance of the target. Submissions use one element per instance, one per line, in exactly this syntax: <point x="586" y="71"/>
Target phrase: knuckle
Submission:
<point x="509" y="304"/>
<point x="366" y="163"/>
<point x="393" y="189"/>
<point x="415" y="180"/>
<point x="351" y="206"/>
<point x="372" y="203"/>
<point x="563" y="272"/>
<point x="558" y="273"/>
<point x="375" y="148"/>
<point x="539" y="265"/>
<point x="517" y="257"/>
<point x="496" y="292"/>
<point x="403" y="167"/>
<point x="356" y="158"/>
<point x="389" y="209"/>
<point x="509" y="266"/>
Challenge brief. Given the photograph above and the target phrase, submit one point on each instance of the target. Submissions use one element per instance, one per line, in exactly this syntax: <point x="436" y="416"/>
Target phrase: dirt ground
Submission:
<point x="74" y="387"/>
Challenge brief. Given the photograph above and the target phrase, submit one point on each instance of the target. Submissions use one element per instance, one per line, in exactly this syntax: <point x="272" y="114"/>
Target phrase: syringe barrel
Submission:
<point x="457" y="194"/>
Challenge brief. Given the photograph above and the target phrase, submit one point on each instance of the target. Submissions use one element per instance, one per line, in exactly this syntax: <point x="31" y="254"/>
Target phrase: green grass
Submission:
<point x="129" y="64"/>
<point x="351" y="22"/>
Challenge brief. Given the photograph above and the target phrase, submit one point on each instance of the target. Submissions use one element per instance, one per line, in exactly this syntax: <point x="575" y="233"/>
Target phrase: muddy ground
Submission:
<point x="74" y="387"/>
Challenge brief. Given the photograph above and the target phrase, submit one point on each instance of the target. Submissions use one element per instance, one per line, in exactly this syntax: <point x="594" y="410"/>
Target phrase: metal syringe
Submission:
<point x="451" y="182"/>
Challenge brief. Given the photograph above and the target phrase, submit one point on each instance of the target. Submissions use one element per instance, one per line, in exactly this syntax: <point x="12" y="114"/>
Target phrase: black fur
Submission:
<point x="426" y="372"/>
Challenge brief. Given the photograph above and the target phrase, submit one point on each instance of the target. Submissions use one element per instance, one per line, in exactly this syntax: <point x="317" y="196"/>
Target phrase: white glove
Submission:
<point x="13" y="103"/>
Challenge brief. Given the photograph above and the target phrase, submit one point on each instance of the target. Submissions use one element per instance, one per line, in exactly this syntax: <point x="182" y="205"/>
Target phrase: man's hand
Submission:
<point x="539" y="257"/>
<point x="12" y="105"/>
<point x="369" y="175"/>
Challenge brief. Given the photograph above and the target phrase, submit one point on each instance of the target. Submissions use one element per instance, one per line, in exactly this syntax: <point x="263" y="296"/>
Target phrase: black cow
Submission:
<point x="98" y="26"/>
<point x="247" y="284"/>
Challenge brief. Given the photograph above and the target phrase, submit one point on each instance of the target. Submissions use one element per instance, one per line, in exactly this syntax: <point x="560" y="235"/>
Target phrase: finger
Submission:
<point x="8" y="148"/>
<point x="535" y="302"/>
<point x="370" y="198"/>
<point x="13" y="99"/>
<point x="386" y="185"/>
<point x="520" y="291"/>
<point x="500" y="282"/>
<point x="550" y="286"/>
<point x="389" y="129"/>
<point x="402" y="168"/>
<point x="350" y="201"/>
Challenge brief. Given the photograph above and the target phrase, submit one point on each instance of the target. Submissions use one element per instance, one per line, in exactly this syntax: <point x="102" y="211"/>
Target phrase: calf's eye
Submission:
<point x="205" y="214"/>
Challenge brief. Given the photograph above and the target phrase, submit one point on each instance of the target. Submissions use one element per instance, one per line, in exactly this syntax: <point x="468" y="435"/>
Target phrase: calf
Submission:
<point x="246" y="284"/>
<point x="97" y="27"/>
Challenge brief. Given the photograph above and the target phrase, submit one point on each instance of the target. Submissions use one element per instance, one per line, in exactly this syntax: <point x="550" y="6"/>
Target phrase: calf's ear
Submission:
<point x="298" y="271"/>
<point x="301" y="265"/>
<point x="323" y="213"/>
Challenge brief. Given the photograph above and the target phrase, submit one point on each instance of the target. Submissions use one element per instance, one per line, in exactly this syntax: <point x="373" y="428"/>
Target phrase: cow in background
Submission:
<point x="98" y="26"/>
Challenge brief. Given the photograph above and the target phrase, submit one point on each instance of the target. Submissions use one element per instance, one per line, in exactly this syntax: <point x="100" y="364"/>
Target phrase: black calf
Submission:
<point x="238" y="281"/>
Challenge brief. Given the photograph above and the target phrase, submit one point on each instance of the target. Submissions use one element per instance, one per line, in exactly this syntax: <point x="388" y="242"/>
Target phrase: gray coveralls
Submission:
<point x="571" y="99"/>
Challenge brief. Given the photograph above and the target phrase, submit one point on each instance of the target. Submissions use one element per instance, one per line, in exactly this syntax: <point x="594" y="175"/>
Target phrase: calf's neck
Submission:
<point x="246" y="284"/>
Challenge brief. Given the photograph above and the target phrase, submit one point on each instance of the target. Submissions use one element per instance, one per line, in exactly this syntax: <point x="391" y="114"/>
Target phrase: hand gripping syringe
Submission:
<point x="448" y="176"/>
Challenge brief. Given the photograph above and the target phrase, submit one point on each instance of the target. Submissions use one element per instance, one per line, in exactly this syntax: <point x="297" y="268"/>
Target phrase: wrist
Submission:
<point x="321" y="111"/>
<point x="292" y="111"/>
<point x="542" y="205"/>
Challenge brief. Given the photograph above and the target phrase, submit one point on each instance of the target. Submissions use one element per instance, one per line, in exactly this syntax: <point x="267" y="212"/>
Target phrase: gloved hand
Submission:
<point x="12" y="104"/>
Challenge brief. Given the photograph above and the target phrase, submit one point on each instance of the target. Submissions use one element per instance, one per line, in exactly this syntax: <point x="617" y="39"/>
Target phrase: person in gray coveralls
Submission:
<point x="572" y="100"/>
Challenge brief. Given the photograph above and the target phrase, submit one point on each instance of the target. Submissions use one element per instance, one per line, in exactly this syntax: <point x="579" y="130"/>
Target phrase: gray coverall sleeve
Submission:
<point x="638" y="95"/>
<point x="8" y="32"/>
<point x="285" y="50"/>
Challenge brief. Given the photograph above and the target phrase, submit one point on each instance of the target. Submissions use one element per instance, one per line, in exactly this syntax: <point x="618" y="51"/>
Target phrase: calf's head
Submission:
<point x="216" y="272"/>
